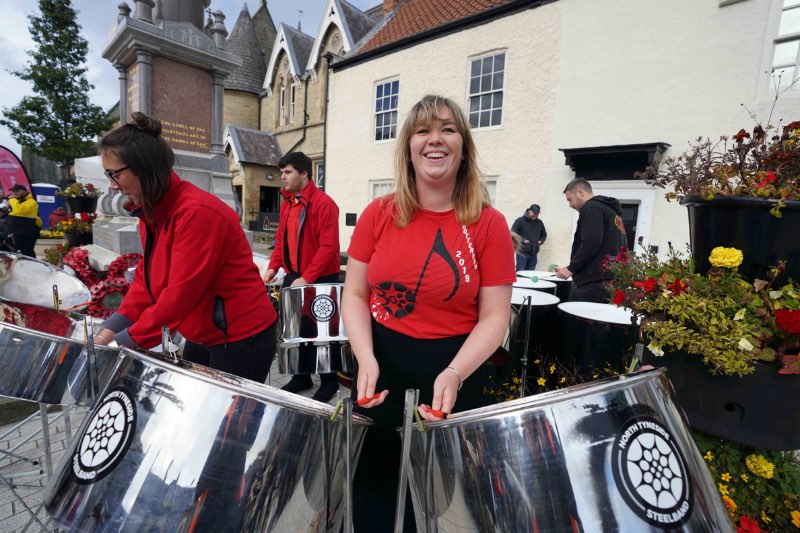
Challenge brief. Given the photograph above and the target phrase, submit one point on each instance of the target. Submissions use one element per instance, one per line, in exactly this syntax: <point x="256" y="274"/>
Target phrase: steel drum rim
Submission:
<point x="50" y="336"/>
<point x="546" y="398"/>
<point x="571" y="309"/>
<point x="321" y="285"/>
<point x="243" y="387"/>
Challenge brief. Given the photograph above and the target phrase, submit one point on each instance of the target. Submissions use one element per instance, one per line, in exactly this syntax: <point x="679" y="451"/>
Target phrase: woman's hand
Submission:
<point x="445" y="390"/>
<point x="104" y="337"/>
<point x="368" y="372"/>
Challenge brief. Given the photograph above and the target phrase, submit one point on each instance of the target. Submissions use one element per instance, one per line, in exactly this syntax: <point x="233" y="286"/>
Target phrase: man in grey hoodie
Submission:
<point x="599" y="233"/>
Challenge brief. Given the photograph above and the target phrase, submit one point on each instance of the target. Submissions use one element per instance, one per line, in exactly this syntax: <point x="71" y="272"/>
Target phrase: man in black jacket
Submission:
<point x="600" y="233"/>
<point x="532" y="235"/>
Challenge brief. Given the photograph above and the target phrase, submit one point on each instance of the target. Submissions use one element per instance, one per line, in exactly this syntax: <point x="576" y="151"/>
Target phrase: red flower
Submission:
<point x="619" y="297"/>
<point x="646" y="285"/>
<point x="740" y="136"/>
<point x="788" y="320"/>
<point x="623" y="256"/>
<point x="677" y="287"/>
<point x="771" y="176"/>
<point x="748" y="525"/>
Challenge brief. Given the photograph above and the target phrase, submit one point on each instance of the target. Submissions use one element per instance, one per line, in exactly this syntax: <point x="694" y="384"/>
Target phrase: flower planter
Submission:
<point x="82" y="204"/>
<point x="758" y="410"/>
<point x="745" y="223"/>
<point x="77" y="238"/>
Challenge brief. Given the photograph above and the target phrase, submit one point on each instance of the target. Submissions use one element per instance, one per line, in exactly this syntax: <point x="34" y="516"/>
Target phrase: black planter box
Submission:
<point x="82" y="204"/>
<point x="746" y="223"/>
<point x="758" y="410"/>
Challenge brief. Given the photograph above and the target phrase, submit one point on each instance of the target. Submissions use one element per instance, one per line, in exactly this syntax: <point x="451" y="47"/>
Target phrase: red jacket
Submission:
<point x="318" y="249"/>
<point x="197" y="276"/>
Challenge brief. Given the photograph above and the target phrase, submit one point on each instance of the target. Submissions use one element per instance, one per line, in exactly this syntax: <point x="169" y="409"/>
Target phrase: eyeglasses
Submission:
<point x="112" y="174"/>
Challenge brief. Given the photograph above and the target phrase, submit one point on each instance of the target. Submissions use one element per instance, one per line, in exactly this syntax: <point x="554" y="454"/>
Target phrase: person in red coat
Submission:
<point x="306" y="246"/>
<point x="197" y="276"/>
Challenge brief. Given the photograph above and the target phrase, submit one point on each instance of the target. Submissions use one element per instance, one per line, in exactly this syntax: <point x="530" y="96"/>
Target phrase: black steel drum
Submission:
<point x="592" y="336"/>
<point x="564" y="287"/>
<point x="542" y="322"/>
<point x="611" y="455"/>
<point x="173" y="447"/>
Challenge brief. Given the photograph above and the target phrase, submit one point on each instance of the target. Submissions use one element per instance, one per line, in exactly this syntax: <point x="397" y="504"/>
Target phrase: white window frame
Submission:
<point x="768" y="58"/>
<point x="390" y="111"/>
<point x="292" y="92"/>
<point x="490" y="92"/>
<point x="491" y="188"/>
<point x="378" y="188"/>
<point x="282" y="105"/>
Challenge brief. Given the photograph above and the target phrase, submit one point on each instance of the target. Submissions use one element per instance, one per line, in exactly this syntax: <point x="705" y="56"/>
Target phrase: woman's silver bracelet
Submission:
<point x="460" y="380"/>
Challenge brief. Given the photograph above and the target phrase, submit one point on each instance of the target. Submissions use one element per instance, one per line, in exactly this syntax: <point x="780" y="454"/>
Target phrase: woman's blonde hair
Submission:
<point x="469" y="196"/>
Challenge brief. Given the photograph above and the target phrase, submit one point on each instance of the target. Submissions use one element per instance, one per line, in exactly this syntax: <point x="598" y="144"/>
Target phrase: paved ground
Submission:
<point x="13" y="513"/>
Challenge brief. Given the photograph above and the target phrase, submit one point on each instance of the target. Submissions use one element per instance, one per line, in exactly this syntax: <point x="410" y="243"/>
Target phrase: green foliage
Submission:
<point x="718" y="316"/>
<point x="59" y="121"/>
<point x="745" y="490"/>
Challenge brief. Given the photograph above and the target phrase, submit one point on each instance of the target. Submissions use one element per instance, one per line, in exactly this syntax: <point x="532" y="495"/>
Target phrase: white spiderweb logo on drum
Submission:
<point x="651" y="473"/>
<point x="323" y="308"/>
<point x="107" y="437"/>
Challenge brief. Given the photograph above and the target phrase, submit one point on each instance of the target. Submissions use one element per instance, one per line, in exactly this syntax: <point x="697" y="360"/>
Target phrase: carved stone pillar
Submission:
<point x="217" y="94"/>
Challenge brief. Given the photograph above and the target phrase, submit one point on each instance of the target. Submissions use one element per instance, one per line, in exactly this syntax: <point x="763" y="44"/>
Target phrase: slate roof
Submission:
<point x="255" y="146"/>
<point x="244" y="43"/>
<point x="299" y="45"/>
<point x="265" y="30"/>
<point x="357" y="21"/>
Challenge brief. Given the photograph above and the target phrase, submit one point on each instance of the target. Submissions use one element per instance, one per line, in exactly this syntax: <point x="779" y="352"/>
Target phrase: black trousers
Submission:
<point x="405" y="363"/>
<point x="591" y="292"/>
<point x="249" y="358"/>
<point x="23" y="244"/>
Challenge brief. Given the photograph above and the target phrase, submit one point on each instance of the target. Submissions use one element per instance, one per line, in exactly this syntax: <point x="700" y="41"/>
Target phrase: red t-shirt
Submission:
<point x="424" y="278"/>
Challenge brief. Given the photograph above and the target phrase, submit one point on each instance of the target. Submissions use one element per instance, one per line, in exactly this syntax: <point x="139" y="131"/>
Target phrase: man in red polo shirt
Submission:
<point x="306" y="246"/>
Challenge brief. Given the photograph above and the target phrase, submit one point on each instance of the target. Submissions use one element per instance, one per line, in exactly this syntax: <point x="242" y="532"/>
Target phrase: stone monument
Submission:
<point x="171" y="70"/>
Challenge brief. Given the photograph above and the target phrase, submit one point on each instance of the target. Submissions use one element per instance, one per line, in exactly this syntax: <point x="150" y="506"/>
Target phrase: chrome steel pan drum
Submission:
<point x="30" y="281"/>
<point x="312" y="313"/>
<point x="592" y="336"/>
<point x="314" y="358"/>
<point x="49" y="369"/>
<point x="611" y="455"/>
<point x="187" y="448"/>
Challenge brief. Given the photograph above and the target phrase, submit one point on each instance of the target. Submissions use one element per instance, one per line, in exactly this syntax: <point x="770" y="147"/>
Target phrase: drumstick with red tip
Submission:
<point x="366" y="399"/>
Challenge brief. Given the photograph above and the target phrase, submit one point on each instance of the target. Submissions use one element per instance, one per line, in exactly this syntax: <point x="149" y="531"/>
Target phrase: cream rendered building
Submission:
<point x="603" y="86"/>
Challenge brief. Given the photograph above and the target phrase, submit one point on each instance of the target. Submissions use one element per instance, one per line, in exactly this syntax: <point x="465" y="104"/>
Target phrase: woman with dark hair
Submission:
<point x="427" y="295"/>
<point x="197" y="276"/>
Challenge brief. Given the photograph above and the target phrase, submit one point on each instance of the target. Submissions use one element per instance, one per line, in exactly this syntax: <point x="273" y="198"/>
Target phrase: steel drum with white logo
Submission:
<point x="313" y="339"/>
<point x="181" y="447"/>
<point x="610" y="455"/>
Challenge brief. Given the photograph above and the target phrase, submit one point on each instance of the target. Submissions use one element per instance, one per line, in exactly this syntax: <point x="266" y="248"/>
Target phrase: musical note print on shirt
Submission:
<point x="398" y="300"/>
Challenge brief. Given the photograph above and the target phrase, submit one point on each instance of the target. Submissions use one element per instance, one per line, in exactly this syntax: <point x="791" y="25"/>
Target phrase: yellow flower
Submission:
<point x="765" y="518"/>
<point x="796" y="519"/>
<point x="730" y="504"/>
<point x="708" y="456"/>
<point x="723" y="489"/>
<point x="759" y="465"/>
<point x="537" y="361"/>
<point x="744" y="478"/>
<point x="552" y="368"/>
<point x="563" y="380"/>
<point x="726" y="477"/>
<point x="541" y="382"/>
<point x="726" y="257"/>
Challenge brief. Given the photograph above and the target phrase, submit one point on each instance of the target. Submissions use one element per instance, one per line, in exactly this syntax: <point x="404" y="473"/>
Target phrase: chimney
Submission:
<point x="389" y="5"/>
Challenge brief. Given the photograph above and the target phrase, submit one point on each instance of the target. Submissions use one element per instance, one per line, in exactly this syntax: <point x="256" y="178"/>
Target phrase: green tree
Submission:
<point x="59" y="121"/>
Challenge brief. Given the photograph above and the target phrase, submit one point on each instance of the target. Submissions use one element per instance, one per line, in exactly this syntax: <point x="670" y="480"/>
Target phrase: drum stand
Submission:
<point x="527" y="302"/>
<point x="412" y="399"/>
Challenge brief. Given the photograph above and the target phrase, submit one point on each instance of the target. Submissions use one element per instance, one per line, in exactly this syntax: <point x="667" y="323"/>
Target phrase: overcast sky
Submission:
<point x="97" y="18"/>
